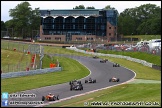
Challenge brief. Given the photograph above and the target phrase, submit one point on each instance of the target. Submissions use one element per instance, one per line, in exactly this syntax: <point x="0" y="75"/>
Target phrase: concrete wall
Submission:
<point x="53" y="37"/>
<point x="31" y="72"/>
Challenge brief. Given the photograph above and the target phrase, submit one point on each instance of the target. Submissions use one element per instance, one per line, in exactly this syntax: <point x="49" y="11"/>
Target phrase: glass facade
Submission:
<point x="72" y="12"/>
<point x="77" y="21"/>
<point x="112" y="17"/>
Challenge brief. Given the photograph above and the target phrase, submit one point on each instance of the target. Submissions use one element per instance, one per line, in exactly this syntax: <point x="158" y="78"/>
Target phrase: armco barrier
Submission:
<point x="31" y="72"/>
<point x="112" y="55"/>
<point x="156" y="67"/>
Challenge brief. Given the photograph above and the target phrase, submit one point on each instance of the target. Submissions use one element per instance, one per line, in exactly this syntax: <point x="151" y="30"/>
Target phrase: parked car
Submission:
<point x="6" y="37"/>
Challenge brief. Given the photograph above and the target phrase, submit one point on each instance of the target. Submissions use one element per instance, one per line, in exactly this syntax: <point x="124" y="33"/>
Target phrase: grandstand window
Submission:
<point x="47" y="38"/>
<point x="57" y="38"/>
<point x="78" y="38"/>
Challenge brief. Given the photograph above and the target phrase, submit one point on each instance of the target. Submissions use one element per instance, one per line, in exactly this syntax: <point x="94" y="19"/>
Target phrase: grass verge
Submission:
<point x="147" y="93"/>
<point x="12" y="61"/>
<point x="71" y="68"/>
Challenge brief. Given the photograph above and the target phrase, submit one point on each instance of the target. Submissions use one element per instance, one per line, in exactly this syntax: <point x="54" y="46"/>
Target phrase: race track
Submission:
<point x="102" y="72"/>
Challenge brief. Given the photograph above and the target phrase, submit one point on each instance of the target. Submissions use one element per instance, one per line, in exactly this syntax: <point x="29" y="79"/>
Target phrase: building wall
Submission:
<point x="110" y="31"/>
<point x="83" y="37"/>
<point x="74" y="29"/>
<point x="53" y="37"/>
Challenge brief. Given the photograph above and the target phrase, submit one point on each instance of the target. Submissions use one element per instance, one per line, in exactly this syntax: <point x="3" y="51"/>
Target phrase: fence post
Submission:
<point x="8" y="45"/>
<point x="19" y="66"/>
<point x="8" y="67"/>
<point x="18" y="48"/>
<point x="13" y="68"/>
<point x="12" y="46"/>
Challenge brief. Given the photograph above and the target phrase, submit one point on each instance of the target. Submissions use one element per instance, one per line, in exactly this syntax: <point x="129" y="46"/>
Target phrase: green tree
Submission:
<point x="35" y="21"/>
<point x="10" y="27"/>
<point x="24" y="19"/>
<point x="3" y="26"/>
<point x="90" y="7"/>
<point x="79" y="7"/>
<point x="145" y="19"/>
<point x="109" y="7"/>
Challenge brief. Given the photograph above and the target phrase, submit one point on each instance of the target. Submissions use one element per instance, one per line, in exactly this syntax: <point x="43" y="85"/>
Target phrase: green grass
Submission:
<point x="71" y="68"/>
<point x="10" y="60"/>
<point x="125" y="92"/>
<point x="59" y="50"/>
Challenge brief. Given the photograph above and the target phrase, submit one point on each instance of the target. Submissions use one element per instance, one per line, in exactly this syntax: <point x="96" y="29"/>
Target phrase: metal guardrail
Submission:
<point x="31" y="72"/>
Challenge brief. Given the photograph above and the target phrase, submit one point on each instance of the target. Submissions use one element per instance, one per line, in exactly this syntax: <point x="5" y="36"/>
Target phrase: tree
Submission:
<point x="24" y="19"/>
<point x="3" y="26"/>
<point x="145" y="19"/>
<point x="79" y="7"/>
<point x="109" y="7"/>
<point x="90" y="7"/>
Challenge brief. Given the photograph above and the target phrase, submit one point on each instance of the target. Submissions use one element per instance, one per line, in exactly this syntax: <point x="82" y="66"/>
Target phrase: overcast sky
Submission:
<point x="118" y="5"/>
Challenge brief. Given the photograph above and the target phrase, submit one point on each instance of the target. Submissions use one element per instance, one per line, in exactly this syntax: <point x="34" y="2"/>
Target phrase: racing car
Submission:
<point x="113" y="79"/>
<point x="76" y="85"/>
<point x="103" y="60"/>
<point x="116" y="65"/>
<point x="90" y="80"/>
<point x="74" y="81"/>
<point x="50" y="97"/>
<point x="95" y="57"/>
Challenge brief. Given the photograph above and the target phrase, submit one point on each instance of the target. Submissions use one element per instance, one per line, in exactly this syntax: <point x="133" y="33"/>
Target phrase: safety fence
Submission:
<point x="124" y="47"/>
<point x="35" y="51"/>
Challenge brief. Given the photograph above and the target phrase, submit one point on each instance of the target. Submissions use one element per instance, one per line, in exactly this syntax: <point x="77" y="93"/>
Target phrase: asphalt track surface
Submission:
<point x="102" y="72"/>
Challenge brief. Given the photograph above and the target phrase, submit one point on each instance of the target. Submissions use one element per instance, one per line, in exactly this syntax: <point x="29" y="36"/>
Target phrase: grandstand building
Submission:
<point x="78" y="25"/>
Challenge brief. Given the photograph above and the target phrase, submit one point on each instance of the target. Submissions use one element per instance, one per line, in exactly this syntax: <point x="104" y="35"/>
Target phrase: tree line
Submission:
<point x="145" y="19"/>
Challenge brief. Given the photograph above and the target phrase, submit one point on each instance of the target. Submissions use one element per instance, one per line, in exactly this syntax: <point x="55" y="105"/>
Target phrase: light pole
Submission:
<point x="85" y="37"/>
<point x="145" y="35"/>
<point x="102" y="37"/>
<point x="33" y="33"/>
<point x="116" y="24"/>
<point x="49" y="12"/>
<point x="22" y="33"/>
<point x="131" y="37"/>
<point x="8" y="31"/>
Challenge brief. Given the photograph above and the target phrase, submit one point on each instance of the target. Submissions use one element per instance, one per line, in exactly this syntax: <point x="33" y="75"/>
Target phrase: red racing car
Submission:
<point x="50" y="97"/>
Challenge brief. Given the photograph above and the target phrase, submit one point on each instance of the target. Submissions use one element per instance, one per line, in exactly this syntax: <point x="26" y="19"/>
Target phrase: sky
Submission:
<point x="120" y="6"/>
